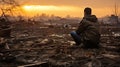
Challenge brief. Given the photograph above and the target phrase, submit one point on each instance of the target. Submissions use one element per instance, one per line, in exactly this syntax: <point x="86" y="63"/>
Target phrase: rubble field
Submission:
<point x="52" y="46"/>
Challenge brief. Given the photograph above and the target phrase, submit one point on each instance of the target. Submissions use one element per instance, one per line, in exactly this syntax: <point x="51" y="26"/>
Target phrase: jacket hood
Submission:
<point x="91" y="18"/>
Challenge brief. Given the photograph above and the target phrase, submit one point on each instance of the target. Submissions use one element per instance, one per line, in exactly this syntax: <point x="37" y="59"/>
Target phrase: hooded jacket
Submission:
<point x="88" y="29"/>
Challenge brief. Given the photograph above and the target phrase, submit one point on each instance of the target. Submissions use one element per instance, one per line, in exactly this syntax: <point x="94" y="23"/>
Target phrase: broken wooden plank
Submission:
<point x="111" y="48"/>
<point x="26" y="38"/>
<point x="26" y="49"/>
<point x="40" y="64"/>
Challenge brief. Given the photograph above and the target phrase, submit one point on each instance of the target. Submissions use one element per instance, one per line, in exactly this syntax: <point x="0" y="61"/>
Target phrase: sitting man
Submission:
<point x="88" y="31"/>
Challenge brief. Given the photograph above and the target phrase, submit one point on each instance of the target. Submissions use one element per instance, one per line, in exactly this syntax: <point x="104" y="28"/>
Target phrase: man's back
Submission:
<point x="88" y="29"/>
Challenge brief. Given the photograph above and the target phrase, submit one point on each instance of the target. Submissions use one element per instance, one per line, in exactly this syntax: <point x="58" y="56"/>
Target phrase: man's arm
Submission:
<point x="82" y="26"/>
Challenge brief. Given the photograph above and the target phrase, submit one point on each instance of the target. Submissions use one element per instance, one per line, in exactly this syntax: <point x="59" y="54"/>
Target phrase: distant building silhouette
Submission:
<point x="113" y="19"/>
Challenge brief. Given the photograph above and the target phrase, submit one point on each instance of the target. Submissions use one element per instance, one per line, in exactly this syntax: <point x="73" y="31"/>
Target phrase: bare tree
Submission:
<point x="8" y="7"/>
<point x="116" y="9"/>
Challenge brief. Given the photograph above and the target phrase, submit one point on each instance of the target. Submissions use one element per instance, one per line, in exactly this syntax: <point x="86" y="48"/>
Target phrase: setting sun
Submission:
<point x="49" y="9"/>
<point x="32" y="10"/>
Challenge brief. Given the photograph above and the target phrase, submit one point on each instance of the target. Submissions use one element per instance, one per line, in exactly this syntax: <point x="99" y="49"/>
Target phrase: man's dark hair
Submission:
<point x="88" y="11"/>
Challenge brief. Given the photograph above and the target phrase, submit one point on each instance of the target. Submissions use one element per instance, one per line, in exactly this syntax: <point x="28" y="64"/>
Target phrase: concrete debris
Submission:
<point x="56" y="35"/>
<point x="46" y="41"/>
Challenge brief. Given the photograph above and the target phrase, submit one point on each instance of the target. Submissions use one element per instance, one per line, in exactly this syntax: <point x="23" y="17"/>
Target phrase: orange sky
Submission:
<point x="68" y="7"/>
<point x="75" y="11"/>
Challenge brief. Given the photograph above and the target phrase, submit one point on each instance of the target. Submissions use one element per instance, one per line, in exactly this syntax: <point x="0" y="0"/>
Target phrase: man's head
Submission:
<point x="87" y="11"/>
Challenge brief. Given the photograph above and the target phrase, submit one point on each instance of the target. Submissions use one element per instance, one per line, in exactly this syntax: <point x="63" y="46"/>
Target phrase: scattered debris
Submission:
<point x="41" y="46"/>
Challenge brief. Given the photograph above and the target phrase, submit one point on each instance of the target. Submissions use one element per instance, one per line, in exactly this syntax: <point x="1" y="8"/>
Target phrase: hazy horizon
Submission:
<point x="62" y="8"/>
